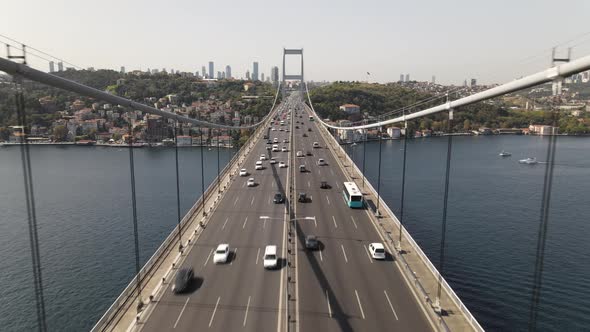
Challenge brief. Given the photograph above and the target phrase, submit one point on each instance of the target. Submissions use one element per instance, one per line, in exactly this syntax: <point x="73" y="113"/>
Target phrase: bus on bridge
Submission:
<point x="352" y="195"/>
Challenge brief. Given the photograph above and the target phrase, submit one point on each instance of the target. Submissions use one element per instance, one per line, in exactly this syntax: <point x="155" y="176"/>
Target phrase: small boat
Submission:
<point x="353" y="144"/>
<point x="505" y="154"/>
<point x="528" y="161"/>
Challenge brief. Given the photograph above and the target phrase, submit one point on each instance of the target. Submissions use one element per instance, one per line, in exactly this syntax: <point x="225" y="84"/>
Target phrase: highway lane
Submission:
<point x="240" y="295"/>
<point x="340" y="287"/>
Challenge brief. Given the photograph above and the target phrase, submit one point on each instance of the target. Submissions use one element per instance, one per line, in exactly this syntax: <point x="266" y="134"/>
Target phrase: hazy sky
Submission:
<point x="493" y="41"/>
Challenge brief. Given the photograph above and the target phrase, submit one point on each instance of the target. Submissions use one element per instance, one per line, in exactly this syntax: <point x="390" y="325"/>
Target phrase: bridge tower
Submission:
<point x="286" y="76"/>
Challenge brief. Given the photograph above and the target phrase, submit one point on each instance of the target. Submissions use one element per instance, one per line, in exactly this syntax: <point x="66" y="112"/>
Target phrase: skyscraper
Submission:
<point x="51" y="67"/>
<point x="407" y="77"/>
<point x="203" y="72"/>
<point x="473" y="82"/>
<point x="401" y="77"/>
<point x="255" y="71"/>
<point x="122" y="69"/>
<point x="211" y="70"/>
<point x="227" y="71"/>
<point x="433" y="79"/>
<point x="274" y="74"/>
<point x="60" y="66"/>
<point x="262" y="77"/>
<point x="248" y="75"/>
<point x="218" y="75"/>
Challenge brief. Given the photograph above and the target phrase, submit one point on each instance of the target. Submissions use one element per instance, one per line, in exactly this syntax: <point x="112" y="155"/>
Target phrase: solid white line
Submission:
<point x="243" y="184"/>
<point x="368" y="254"/>
<point x="321" y="258"/>
<point x="246" y="315"/>
<point x="390" y="305"/>
<point x="308" y="184"/>
<point x="337" y="185"/>
<point x="328" y="199"/>
<point x="331" y="170"/>
<point x="344" y="253"/>
<point x="215" y="310"/>
<point x="181" y="311"/>
<point x="210" y="252"/>
<point x="234" y="257"/>
<point x="328" y="301"/>
<point x="315" y="222"/>
<point x="354" y="222"/>
<point x="236" y="201"/>
<point x="269" y="201"/>
<point x="245" y="221"/>
<point x="264" y="223"/>
<point x="226" y="219"/>
<point x="335" y="224"/>
<point x="257" y="255"/>
<point x="359" y="301"/>
<point x="252" y="202"/>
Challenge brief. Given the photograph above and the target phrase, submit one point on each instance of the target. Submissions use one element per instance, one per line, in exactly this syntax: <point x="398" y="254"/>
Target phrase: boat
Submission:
<point x="528" y="161"/>
<point x="505" y="154"/>
<point x="353" y="144"/>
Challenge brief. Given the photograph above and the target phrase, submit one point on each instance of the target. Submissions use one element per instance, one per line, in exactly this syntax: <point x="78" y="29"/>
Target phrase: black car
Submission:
<point x="269" y="142"/>
<point x="265" y="137"/>
<point x="302" y="197"/>
<point x="308" y="129"/>
<point x="304" y="135"/>
<point x="296" y="127"/>
<point x="311" y="242"/>
<point x="308" y="153"/>
<point x="278" y="199"/>
<point x="183" y="279"/>
<point x="324" y="185"/>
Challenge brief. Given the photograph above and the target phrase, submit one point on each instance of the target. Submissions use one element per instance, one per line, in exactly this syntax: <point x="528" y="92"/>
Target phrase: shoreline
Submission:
<point x="117" y="145"/>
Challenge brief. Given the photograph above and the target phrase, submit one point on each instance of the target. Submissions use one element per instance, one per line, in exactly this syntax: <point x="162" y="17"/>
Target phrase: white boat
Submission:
<point x="505" y="154"/>
<point x="528" y="161"/>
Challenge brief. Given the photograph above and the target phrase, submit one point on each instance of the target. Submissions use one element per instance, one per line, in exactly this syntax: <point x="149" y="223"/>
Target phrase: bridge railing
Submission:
<point x="415" y="248"/>
<point x="154" y="262"/>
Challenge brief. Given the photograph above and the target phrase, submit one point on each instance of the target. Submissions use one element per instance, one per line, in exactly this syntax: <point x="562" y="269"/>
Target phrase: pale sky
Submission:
<point x="493" y="41"/>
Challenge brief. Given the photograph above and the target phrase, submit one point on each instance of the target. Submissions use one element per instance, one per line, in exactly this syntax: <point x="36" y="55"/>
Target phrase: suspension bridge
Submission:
<point x="339" y="286"/>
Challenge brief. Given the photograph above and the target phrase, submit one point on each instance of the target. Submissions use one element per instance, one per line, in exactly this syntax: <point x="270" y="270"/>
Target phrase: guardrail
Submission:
<point x="149" y="268"/>
<point x="415" y="247"/>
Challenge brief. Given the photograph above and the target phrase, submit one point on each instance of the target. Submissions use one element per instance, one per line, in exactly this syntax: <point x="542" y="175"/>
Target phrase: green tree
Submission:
<point x="60" y="133"/>
<point x="466" y="124"/>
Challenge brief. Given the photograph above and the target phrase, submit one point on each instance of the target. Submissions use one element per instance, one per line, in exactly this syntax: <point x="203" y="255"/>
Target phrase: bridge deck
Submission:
<point x="337" y="288"/>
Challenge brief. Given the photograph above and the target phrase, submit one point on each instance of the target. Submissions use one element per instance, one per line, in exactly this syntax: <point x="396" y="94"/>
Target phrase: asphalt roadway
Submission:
<point x="339" y="287"/>
<point x="240" y="295"/>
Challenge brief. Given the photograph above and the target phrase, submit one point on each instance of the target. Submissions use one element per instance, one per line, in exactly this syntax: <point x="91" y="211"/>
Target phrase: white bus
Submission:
<point x="352" y="195"/>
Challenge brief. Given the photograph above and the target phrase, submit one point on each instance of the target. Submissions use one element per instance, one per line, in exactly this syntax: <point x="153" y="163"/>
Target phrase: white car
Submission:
<point x="285" y="140"/>
<point x="262" y="157"/>
<point x="276" y="140"/>
<point x="316" y="145"/>
<point x="299" y="153"/>
<point x="284" y="149"/>
<point x="273" y="160"/>
<point x="250" y="182"/>
<point x="275" y="148"/>
<point x="221" y="254"/>
<point x="280" y="129"/>
<point x="282" y="164"/>
<point x="321" y="162"/>
<point x="377" y="250"/>
<point x="270" y="260"/>
<point x="258" y="165"/>
<point x="243" y="172"/>
<point x="273" y="129"/>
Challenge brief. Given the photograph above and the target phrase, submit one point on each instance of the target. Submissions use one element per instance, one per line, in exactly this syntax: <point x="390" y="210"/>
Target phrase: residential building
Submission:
<point x="227" y="72"/>
<point x="394" y="132"/>
<point x="274" y="74"/>
<point x="350" y="108"/>
<point x="543" y="130"/>
<point x="51" y="67"/>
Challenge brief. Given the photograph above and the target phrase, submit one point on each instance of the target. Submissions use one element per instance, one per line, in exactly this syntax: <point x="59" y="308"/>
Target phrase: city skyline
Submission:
<point x="453" y="43"/>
